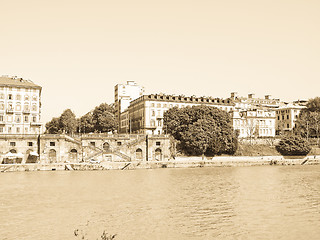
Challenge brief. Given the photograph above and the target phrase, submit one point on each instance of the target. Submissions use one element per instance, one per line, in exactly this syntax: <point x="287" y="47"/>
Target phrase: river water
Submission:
<point x="267" y="202"/>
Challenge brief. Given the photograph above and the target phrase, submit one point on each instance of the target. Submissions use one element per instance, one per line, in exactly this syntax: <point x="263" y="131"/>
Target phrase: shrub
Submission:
<point x="293" y="146"/>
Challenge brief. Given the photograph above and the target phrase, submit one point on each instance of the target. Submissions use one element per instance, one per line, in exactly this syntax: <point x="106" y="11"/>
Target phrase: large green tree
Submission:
<point x="53" y="126"/>
<point x="86" y="123"/>
<point x="201" y="130"/>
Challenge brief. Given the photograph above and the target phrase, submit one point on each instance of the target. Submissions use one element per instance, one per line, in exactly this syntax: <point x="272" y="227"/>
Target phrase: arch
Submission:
<point x="73" y="155"/>
<point x="13" y="151"/>
<point x="106" y="146"/>
<point x="139" y="154"/>
<point x="158" y="154"/>
<point x="52" y="156"/>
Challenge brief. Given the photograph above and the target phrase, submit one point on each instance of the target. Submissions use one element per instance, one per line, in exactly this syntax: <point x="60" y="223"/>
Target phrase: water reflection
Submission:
<point x="266" y="202"/>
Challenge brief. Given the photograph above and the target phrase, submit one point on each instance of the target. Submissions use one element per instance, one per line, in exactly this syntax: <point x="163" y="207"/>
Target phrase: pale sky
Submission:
<point x="79" y="50"/>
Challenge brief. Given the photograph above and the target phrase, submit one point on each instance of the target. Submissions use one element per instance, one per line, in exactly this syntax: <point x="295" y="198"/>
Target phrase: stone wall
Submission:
<point x="55" y="148"/>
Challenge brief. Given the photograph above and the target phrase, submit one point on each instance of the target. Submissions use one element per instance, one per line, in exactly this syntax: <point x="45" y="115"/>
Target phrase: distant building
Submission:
<point x="251" y="101"/>
<point x="253" y="123"/>
<point x="145" y="114"/>
<point x="286" y="117"/>
<point x="20" y="106"/>
<point x="123" y="95"/>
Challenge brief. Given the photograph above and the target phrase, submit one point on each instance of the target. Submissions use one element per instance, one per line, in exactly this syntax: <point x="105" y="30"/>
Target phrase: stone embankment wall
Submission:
<point x="179" y="162"/>
<point x="60" y="148"/>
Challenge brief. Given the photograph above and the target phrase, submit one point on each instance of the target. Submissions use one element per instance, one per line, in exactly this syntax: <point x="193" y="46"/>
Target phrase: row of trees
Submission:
<point x="201" y="130"/>
<point x="100" y="119"/>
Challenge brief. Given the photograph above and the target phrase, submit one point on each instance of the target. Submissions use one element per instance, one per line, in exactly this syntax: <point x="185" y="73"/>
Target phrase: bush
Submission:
<point x="293" y="146"/>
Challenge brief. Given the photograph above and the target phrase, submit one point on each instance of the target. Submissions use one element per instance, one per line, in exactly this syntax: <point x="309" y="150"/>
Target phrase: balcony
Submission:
<point x="35" y="124"/>
<point x="26" y="111"/>
<point x="10" y="111"/>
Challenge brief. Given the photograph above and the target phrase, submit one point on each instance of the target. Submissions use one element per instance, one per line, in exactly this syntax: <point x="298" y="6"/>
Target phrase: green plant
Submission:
<point x="293" y="146"/>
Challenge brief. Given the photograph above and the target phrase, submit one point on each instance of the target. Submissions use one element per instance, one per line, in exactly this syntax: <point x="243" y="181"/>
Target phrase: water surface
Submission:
<point x="267" y="202"/>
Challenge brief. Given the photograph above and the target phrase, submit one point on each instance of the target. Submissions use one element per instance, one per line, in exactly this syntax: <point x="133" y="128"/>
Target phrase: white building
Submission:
<point x="254" y="122"/>
<point x="124" y="94"/>
<point x="145" y="114"/>
<point x="287" y="116"/>
<point x="20" y="106"/>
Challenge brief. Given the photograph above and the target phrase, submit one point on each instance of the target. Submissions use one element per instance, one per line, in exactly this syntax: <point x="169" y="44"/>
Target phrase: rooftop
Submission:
<point x="6" y="81"/>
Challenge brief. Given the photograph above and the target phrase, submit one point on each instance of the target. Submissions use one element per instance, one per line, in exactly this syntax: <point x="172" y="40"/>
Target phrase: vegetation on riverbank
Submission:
<point x="201" y="130"/>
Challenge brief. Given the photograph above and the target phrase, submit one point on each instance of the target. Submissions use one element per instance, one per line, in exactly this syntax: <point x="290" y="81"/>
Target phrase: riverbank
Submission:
<point x="178" y="162"/>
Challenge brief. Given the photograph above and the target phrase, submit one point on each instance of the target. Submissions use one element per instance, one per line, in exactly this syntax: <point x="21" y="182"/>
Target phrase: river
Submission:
<point x="263" y="202"/>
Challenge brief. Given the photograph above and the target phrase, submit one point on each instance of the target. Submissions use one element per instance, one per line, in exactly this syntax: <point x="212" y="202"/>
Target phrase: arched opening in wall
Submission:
<point x="32" y="156"/>
<point x="158" y="154"/>
<point x="73" y="155"/>
<point x="138" y="154"/>
<point x="13" y="151"/>
<point x="106" y="147"/>
<point x="52" y="156"/>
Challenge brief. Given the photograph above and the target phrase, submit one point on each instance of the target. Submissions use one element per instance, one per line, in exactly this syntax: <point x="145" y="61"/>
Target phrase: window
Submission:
<point x="93" y="143"/>
<point x="9" y="129"/>
<point x="153" y="113"/>
<point x="26" y="107"/>
<point x="18" y="107"/>
<point x="287" y="116"/>
<point x="1" y="129"/>
<point x="152" y="104"/>
<point x="159" y="105"/>
<point x="287" y="125"/>
<point x="159" y="123"/>
<point x="34" y="119"/>
<point x="26" y="130"/>
<point x="158" y="143"/>
<point x="26" y="97"/>
<point x="12" y="144"/>
<point x="18" y="97"/>
<point x="282" y="117"/>
<point x="52" y="144"/>
<point x="34" y="107"/>
<point x="1" y="96"/>
<point x="18" y="130"/>
<point x="26" y="119"/>
<point x="10" y="106"/>
<point x="18" y="119"/>
<point x="278" y="117"/>
<point x="30" y="144"/>
<point x="10" y="96"/>
<point x="119" y="143"/>
<point x="1" y="106"/>
<point x="34" y="98"/>
<point x="1" y="118"/>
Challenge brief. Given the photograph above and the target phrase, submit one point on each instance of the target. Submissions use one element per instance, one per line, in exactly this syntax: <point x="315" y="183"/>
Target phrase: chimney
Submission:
<point x="251" y="95"/>
<point x="234" y="95"/>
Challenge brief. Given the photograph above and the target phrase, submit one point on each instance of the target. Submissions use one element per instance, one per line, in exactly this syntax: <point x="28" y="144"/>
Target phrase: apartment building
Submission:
<point x="145" y="114"/>
<point x="20" y="106"/>
<point x="251" y="101"/>
<point x="124" y="94"/>
<point x="286" y="117"/>
<point x="252" y="123"/>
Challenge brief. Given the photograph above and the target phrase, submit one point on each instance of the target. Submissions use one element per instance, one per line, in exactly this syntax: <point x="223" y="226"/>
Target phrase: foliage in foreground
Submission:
<point x="201" y="130"/>
<point x="293" y="146"/>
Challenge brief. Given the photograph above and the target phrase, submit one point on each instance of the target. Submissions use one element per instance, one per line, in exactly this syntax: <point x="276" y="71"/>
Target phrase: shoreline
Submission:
<point x="178" y="162"/>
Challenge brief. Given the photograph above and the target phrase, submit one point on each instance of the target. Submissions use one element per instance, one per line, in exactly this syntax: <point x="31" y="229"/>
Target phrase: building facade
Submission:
<point x="145" y="114"/>
<point x="253" y="123"/>
<point x="286" y="117"/>
<point x="20" y="106"/>
<point x="124" y="94"/>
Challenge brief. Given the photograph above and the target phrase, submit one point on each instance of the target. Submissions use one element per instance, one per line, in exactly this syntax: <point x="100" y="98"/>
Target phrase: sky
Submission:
<point x="79" y="50"/>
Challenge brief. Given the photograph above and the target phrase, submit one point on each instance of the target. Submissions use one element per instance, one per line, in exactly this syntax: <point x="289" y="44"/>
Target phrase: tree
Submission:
<point x="68" y="122"/>
<point x="293" y="146"/>
<point x="53" y="127"/>
<point x="103" y="118"/>
<point x="313" y="105"/>
<point x="86" y="124"/>
<point x="308" y="122"/>
<point x="201" y="130"/>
